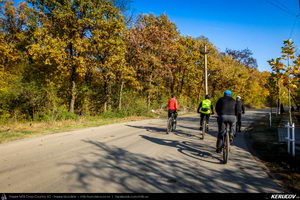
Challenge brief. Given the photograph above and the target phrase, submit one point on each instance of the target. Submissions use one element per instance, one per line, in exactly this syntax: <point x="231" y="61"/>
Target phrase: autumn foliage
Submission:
<point x="81" y="58"/>
<point x="285" y="79"/>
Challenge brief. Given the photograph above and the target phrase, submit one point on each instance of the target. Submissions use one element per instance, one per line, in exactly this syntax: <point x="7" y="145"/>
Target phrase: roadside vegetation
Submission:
<point x="265" y="145"/>
<point x="14" y="130"/>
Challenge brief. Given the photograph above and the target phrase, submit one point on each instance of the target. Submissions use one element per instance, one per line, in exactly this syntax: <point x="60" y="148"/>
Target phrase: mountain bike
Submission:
<point x="172" y="123"/>
<point x="226" y="144"/>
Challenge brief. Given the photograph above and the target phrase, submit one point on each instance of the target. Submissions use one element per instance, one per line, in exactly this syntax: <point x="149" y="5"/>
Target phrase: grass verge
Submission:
<point x="19" y="130"/>
<point x="11" y="131"/>
<point x="263" y="141"/>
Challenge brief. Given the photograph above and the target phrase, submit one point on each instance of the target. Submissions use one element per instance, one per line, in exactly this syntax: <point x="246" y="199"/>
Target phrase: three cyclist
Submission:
<point x="205" y="109"/>
<point x="228" y="110"/>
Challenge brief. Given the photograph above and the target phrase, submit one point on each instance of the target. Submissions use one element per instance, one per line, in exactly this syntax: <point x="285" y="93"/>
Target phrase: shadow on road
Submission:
<point x="188" y="127"/>
<point x="194" y="150"/>
<point x="106" y="167"/>
<point x="184" y="134"/>
<point x="150" y="129"/>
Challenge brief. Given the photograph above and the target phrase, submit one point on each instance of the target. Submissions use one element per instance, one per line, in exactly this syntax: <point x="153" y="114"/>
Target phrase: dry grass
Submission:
<point x="17" y="130"/>
<point x="264" y="142"/>
<point x="12" y="131"/>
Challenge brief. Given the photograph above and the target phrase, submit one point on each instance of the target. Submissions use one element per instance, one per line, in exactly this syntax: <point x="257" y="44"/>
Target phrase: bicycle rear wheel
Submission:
<point x="226" y="144"/>
<point x="174" y="124"/>
<point x="169" y="125"/>
<point x="204" y="124"/>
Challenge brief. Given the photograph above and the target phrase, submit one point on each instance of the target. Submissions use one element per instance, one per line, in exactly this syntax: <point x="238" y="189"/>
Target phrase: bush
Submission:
<point x="111" y="114"/>
<point x="4" y="115"/>
<point x="60" y="114"/>
<point x="23" y="99"/>
<point x="66" y="115"/>
<point x="133" y="105"/>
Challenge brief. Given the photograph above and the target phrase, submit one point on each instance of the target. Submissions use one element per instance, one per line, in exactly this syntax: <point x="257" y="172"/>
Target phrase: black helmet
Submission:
<point x="207" y="97"/>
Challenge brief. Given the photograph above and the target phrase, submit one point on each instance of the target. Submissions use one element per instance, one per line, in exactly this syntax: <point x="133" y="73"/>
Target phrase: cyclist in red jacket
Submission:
<point x="173" y="106"/>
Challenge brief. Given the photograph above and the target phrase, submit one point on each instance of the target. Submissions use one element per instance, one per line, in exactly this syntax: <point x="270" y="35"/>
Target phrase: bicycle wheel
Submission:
<point x="174" y="125"/>
<point x="204" y="124"/>
<point x="226" y="144"/>
<point x="169" y="125"/>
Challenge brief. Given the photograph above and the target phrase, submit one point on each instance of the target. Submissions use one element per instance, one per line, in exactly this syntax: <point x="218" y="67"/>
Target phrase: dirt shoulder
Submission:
<point x="262" y="141"/>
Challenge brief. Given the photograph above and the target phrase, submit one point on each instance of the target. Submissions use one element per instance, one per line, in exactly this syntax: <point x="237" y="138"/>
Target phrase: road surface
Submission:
<point x="132" y="157"/>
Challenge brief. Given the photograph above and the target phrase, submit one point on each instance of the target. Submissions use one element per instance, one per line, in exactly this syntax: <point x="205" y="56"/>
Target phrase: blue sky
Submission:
<point x="260" y="25"/>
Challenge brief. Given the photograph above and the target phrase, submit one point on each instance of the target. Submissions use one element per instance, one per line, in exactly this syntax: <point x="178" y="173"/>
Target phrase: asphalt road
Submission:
<point x="132" y="157"/>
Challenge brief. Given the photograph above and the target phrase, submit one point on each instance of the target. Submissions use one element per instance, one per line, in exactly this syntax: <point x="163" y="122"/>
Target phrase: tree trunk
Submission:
<point x="107" y="104"/>
<point x="182" y="81"/>
<point x="278" y="107"/>
<point x="278" y="101"/>
<point x="120" y="95"/>
<point x="296" y="103"/>
<point x="73" y="78"/>
<point x="172" y="85"/>
<point x="290" y="108"/>
<point x="73" y="97"/>
<point x="199" y="94"/>
<point x="178" y="88"/>
<point x="109" y="96"/>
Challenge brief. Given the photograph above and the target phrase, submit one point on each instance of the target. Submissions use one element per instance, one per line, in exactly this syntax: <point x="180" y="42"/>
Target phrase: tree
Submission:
<point x="12" y="56"/>
<point x="189" y="71"/>
<point x="243" y="56"/>
<point x="285" y="73"/>
<point x="88" y="36"/>
<point x="152" y="46"/>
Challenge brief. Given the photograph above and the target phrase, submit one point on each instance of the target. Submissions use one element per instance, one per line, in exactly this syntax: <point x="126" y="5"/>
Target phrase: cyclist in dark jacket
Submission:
<point x="240" y="109"/>
<point x="226" y="110"/>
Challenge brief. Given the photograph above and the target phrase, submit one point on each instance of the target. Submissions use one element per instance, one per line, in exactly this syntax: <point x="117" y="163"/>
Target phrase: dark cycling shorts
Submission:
<point x="172" y="111"/>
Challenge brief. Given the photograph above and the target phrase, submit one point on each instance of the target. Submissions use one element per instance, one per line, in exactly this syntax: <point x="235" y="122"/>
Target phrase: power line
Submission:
<point x="285" y="7"/>
<point x="294" y="25"/>
<point x="281" y="8"/>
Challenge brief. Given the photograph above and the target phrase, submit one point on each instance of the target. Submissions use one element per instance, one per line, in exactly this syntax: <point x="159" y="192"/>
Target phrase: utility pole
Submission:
<point x="205" y="70"/>
<point x="289" y="92"/>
